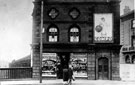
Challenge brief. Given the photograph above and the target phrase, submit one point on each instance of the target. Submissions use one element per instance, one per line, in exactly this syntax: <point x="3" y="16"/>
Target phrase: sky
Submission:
<point x="16" y="27"/>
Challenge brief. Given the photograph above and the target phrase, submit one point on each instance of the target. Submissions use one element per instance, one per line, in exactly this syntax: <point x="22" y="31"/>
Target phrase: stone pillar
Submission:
<point x="115" y="66"/>
<point x="91" y="66"/>
<point x="36" y="64"/>
<point x="36" y="38"/>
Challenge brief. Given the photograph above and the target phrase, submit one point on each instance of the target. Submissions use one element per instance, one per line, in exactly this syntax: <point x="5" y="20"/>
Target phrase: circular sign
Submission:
<point x="98" y="28"/>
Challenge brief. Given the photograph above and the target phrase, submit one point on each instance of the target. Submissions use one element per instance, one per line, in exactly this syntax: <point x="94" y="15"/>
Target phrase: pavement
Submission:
<point x="60" y="82"/>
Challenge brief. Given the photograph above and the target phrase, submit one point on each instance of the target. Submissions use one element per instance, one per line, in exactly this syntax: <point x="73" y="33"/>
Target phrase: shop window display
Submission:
<point x="79" y="62"/>
<point x="49" y="64"/>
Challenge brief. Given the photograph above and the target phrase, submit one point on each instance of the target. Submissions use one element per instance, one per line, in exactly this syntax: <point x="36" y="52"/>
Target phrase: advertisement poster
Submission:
<point x="103" y="28"/>
<point x="49" y="64"/>
<point x="79" y="62"/>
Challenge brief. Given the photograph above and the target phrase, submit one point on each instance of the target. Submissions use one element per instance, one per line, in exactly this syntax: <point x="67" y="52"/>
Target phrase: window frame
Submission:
<point x="52" y="33"/>
<point x="74" y="33"/>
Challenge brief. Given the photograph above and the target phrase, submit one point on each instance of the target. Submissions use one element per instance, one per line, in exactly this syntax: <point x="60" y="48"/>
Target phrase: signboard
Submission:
<point x="103" y="28"/>
<point x="49" y="56"/>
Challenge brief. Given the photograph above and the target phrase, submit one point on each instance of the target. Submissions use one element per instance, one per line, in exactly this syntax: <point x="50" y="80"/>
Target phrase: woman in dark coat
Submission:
<point x="70" y="74"/>
<point x="65" y="74"/>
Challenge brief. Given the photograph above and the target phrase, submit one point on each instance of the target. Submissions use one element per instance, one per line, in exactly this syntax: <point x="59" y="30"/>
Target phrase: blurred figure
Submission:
<point x="70" y="75"/>
<point x="65" y="75"/>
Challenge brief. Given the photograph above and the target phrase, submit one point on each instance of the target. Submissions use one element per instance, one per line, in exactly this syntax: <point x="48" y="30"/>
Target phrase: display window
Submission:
<point x="49" y="64"/>
<point x="79" y="62"/>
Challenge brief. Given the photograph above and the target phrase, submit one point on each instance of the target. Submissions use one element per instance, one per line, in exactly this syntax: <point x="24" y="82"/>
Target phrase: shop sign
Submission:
<point x="79" y="55"/>
<point x="49" y="54"/>
<point x="103" y="28"/>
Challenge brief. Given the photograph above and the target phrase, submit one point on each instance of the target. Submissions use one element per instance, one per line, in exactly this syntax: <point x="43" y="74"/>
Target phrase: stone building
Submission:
<point x="127" y="37"/>
<point x="85" y="33"/>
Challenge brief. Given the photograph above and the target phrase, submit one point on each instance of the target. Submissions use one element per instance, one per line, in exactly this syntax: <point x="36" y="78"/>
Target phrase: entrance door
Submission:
<point x="103" y="68"/>
<point x="63" y="63"/>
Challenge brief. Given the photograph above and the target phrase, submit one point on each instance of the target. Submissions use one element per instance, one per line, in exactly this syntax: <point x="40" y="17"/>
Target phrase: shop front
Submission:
<point x="54" y="63"/>
<point x="94" y="65"/>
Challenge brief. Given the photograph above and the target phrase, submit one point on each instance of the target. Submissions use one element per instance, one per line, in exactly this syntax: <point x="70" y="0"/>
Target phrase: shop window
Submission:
<point x="133" y="59"/>
<point x="74" y="34"/>
<point x="49" y="64"/>
<point x="79" y="62"/>
<point x="53" y="34"/>
<point x="127" y="59"/>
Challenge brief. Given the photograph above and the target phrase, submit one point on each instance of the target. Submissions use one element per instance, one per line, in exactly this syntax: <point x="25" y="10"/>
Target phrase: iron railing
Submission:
<point x="15" y="73"/>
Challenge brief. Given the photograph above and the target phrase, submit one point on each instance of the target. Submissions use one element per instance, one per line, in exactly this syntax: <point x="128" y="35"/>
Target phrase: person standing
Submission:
<point x="65" y="75"/>
<point x="70" y="74"/>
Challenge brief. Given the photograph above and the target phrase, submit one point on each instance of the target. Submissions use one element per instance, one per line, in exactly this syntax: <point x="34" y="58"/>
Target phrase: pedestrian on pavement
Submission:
<point x="59" y="70"/>
<point x="65" y="75"/>
<point x="70" y="74"/>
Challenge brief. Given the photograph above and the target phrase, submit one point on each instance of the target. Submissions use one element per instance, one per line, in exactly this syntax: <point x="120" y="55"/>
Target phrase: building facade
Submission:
<point x="85" y="33"/>
<point x="127" y="38"/>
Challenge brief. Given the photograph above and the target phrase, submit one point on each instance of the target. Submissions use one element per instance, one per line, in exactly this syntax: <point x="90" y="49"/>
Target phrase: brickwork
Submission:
<point x="91" y="66"/>
<point x="115" y="67"/>
<point x="36" y="64"/>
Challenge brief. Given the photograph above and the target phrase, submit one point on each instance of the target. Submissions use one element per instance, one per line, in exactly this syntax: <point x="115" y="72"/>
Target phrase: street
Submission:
<point x="60" y="82"/>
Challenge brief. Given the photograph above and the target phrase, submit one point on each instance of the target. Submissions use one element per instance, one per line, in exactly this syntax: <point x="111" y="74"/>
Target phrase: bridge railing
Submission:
<point x="15" y="73"/>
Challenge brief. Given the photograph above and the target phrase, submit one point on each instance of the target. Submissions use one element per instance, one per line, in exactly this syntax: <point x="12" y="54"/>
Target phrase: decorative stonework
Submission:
<point x="74" y="13"/>
<point x="53" y="13"/>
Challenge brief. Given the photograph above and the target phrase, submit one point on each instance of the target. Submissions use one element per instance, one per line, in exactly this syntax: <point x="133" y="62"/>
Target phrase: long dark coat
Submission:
<point x="70" y="73"/>
<point x="65" y="74"/>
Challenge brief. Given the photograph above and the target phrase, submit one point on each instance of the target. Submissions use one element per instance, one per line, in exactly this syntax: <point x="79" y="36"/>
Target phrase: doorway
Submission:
<point x="63" y="59"/>
<point x="103" y="68"/>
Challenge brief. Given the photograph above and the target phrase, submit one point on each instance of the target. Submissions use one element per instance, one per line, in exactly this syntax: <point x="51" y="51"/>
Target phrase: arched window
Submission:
<point x="53" y="34"/>
<point x="74" y="34"/>
<point x="127" y="59"/>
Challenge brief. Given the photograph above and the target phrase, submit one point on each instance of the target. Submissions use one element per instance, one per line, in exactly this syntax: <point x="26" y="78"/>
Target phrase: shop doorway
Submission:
<point x="103" y="70"/>
<point x="63" y="61"/>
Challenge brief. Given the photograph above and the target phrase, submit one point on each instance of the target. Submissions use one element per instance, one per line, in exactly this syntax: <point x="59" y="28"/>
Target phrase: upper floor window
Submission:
<point x="53" y="34"/>
<point x="74" y="34"/>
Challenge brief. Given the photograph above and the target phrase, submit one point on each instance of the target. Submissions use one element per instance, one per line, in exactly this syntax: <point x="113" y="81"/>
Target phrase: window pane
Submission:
<point x="74" y="34"/>
<point x="74" y="39"/>
<point x="74" y="30"/>
<point x="50" y="38"/>
<point x="53" y="38"/>
<point x="53" y="34"/>
<point x="53" y="30"/>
